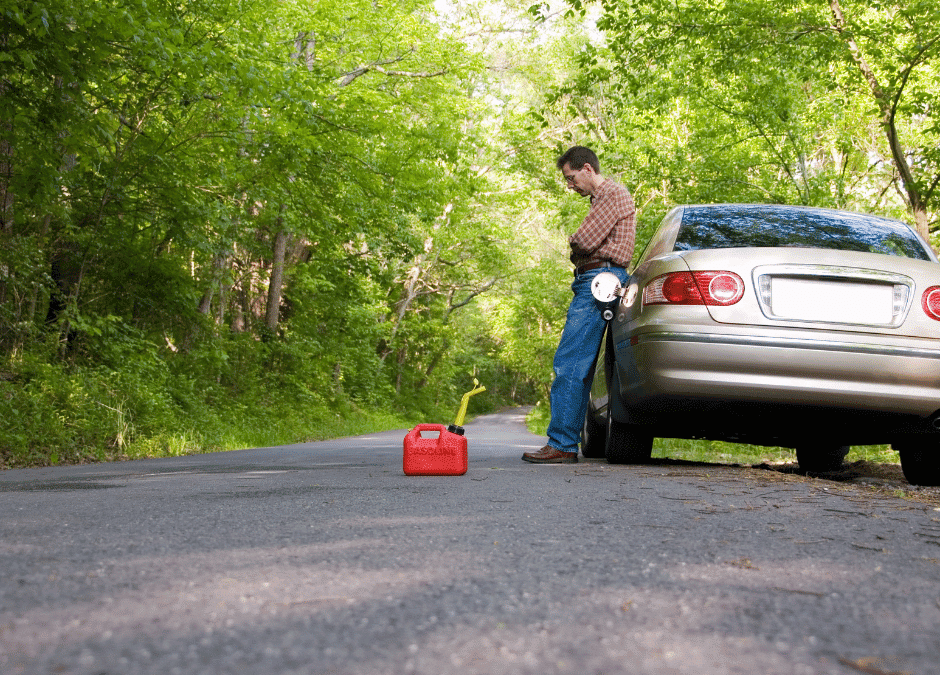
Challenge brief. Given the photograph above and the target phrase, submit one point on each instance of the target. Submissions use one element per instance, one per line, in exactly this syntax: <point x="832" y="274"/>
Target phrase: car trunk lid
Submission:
<point x="824" y="289"/>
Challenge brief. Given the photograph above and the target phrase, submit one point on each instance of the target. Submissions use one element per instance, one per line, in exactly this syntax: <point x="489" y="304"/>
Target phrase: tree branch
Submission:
<point x="377" y="66"/>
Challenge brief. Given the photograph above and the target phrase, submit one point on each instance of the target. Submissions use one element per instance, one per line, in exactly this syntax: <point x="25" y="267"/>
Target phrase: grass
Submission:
<point x="719" y="452"/>
<point x="293" y="425"/>
<point x="318" y="426"/>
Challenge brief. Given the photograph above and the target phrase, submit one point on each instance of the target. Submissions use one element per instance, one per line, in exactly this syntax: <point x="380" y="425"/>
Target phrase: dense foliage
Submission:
<point x="234" y="222"/>
<point x="233" y="214"/>
<point x="818" y="102"/>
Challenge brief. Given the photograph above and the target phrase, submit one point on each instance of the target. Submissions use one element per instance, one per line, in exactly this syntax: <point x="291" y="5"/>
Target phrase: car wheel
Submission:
<point x="920" y="461"/>
<point x="821" y="458"/>
<point x="593" y="436"/>
<point x="628" y="443"/>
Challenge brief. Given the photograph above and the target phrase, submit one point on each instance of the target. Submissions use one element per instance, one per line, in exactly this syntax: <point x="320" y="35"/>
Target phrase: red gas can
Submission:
<point x="442" y="455"/>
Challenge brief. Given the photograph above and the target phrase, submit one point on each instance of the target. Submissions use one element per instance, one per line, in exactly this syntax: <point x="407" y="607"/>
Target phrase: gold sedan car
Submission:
<point x="807" y="328"/>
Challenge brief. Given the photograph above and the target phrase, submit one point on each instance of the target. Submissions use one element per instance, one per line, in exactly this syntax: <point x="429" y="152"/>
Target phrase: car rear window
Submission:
<point x="737" y="226"/>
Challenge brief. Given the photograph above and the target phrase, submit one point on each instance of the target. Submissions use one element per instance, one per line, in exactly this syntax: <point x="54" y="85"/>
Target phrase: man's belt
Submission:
<point x="591" y="266"/>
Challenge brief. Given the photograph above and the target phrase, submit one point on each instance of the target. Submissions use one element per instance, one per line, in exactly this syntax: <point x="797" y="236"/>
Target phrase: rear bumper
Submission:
<point x="899" y="377"/>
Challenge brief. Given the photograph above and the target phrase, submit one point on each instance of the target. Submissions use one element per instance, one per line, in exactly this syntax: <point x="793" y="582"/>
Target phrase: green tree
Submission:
<point x="809" y="101"/>
<point x="236" y="202"/>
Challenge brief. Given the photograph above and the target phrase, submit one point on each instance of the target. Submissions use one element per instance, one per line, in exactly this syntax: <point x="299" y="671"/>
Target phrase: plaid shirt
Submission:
<point x="609" y="229"/>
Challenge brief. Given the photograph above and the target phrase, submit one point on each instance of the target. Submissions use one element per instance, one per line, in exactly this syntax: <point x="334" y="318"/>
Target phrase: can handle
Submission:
<point x="414" y="433"/>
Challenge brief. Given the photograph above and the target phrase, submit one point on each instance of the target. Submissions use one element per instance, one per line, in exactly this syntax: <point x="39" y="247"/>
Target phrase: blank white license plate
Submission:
<point x="835" y="301"/>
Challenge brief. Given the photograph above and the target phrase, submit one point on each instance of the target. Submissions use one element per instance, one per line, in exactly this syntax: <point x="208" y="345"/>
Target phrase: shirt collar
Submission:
<point x="601" y="189"/>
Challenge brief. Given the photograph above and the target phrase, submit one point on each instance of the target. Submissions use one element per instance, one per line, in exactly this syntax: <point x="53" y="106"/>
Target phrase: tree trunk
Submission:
<point x="435" y="361"/>
<point x="887" y="108"/>
<point x="272" y="315"/>
<point x="305" y="49"/>
<point x="206" y="303"/>
<point x="6" y="160"/>
<point x="66" y="271"/>
<point x="218" y="264"/>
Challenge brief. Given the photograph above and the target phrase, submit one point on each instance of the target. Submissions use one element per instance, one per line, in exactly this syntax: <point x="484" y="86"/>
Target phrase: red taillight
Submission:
<point x="930" y="301"/>
<point x="720" y="288"/>
<point x="680" y="289"/>
<point x="694" y="288"/>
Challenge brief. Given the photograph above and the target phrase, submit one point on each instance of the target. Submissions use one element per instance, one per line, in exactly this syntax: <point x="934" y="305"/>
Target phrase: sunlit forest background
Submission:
<point x="232" y="223"/>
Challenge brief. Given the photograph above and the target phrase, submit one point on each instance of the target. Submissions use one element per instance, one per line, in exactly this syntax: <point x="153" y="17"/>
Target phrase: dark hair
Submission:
<point x="577" y="157"/>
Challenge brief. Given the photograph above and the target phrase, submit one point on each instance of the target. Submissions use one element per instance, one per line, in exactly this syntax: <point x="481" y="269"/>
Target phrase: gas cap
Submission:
<point x="605" y="287"/>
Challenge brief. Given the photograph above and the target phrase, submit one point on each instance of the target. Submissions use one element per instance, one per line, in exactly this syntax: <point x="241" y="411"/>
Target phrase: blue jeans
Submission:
<point x="574" y="360"/>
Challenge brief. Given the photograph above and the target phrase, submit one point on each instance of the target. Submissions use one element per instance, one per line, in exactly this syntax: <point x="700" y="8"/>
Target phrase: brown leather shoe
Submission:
<point x="550" y="455"/>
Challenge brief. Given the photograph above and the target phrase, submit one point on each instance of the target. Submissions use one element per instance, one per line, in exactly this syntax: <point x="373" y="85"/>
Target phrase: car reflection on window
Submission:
<point x="740" y="226"/>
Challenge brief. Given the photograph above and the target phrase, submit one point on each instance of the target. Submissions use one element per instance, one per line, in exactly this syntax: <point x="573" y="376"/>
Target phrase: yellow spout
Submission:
<point x="466" y="400"/>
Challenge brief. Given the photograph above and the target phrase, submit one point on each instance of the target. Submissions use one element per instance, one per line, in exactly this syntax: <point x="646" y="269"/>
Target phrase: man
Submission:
<point x="603" y="243"/>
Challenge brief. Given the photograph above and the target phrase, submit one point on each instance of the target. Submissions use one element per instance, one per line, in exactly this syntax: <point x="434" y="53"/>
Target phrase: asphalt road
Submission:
<point x="324" y="558"/>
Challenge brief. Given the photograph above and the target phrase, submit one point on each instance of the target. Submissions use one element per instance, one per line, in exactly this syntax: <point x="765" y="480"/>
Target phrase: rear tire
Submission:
<point x="920" y="461"/>
<point x="593" y="436"/>
<point x="821" y="457"/>
<point x="628" y="443"/>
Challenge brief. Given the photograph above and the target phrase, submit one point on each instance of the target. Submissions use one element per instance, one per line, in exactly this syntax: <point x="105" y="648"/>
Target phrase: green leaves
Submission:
<point x="777" y="99"/>
<point x="160" y="150"/>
